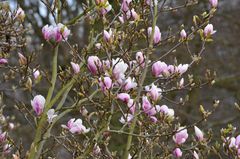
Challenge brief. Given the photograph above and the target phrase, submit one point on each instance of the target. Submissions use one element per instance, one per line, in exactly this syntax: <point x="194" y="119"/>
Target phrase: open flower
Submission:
<point x="158" y="68"/>
<point x="105" y="8"/>
<point x="154" y="92"/>
<point x="125" y="97"/>
<point x="108" y="35"/>
<point x="127" y="118"/>
<point x="181" y="136"/>
<point x="76" y="126"/>
<point x="38" y="103"/>
<point x="119" y="69"/>
<point x="147" y="107"/>
<point x="208" y="30"/>
<point x="51" y="115"/>
<point x="129" y="84"/>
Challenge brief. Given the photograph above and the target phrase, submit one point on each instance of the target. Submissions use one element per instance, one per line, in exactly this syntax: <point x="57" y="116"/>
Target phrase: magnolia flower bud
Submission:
<point x="198" y="133"/>
<point x="121" y="19"/>
<point x="154" y="92"/>
<point x="177" y="153"/>
<point x="75" y="67"/>
<point x="98" y="46"/>
<point x="156" y="35"/>
<point x="94" y="64"/>
<point x="214" y="3"/>
<point x="147" y="107"/>
<point x="22" y="59"/>
<point x="36" y="73"/>
<point x="125" y="5"/>
<point x="208" y="30"/>
<point x="3" y="137"/>
<point x="108" y="35"/>
<point x="38" y="104"/>
<point x="106" y="8"/>
<point x="3" y="61"/>
<point x="140" y="58"/>
<point x="11" y="126"/>
<point x="183" y="34"/>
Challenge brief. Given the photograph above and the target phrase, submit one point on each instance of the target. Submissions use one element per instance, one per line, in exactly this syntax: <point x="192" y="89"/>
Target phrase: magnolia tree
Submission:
<point x="119" y="84"/>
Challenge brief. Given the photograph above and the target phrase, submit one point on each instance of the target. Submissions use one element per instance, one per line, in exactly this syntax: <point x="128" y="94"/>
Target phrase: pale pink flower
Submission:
<point x="3" y="137"/>
<point x="126" y="118"/>
<point x="181" y="83"/>
<point x="140" y="58"/>
<point x="38" y="104"/>
<point x="105" y="83"/>
<point x="181" y="136"/>
<point x="121" y="19"/>
<point x="106" y="8"/>
<point x="76" y="126"/>
<point x="125" y="5"/>
<point x="154" y="92"/>
<point x="132" y="14"/>
<point x="208" y="30"/>
<point x="22" y="59"/>
<point x="183" y="34"/>
<point x="182" y="68"/>
<point x="166" y="111"/>
<point x="125" y="97"/>
<point x="51" y="115"/>
<point x="147" y="107"/>
<point x="3" y="61"/>
<point x="36" y="73"/>
<point x="214" y="3"/>
<point x="108" y="35"/>
<point x="94" y="64"/>
<point x="131" y="105"/>
<point x="156" y="35"/>
<point x="198" y="133"/>
<point x="129" y="84"/>
<point x="158" y="68"/>
<point x="75" y="67"/>
<point x="177" y="153"/>
<point x="98" y="45"/>
<point x="119" y="68"/>
<point x="48" y="32"/>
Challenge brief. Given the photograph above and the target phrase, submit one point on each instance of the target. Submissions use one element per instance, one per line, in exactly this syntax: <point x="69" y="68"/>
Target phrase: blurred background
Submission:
<point x="221" y="55"/>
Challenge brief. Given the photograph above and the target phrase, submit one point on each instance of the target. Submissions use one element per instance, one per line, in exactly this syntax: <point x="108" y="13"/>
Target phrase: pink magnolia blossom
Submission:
<point x="158" y="68"/>
<point x="183" y="34"/>
<point x="36" y="73"/>
<point x="121" y="19"/>
<point x="7" y="148"/>
<point x="132" y="14"/>
<point x="119" y="68"/>
<point x="3" y="136"/>
<point x="182" y="68"/>
<point x="51" y="115"/>
<point x="129" y="84"/>
<point x="131" y="105"/>
<point x="125" y="5"/>
<point x="98" y="46"/>
<point x="3" y="61"/>
<point x="198" y="133"/>
<point x="65" y="32"/>
<point x="166" y="111"/>
<point x="105" y="83"/>
<point x="75" y="67"/>
<point x="181" y="83"/>
<point x="214" y="3"/>
<point x="181" y="136"/>
<point x="48" y="32"/>
<point x="140" y="58"/>
<point x="106" y="8"/>
<point x="94" y="64"/>
<point x="38" y="104"/>
<point x="208" y="30"/>
<point x="125" y="97"/>
<point x="126" y="118"/>
<point x="108" y="35"/>
<point x="154" y="92"/>
<point x="76" y="126"/>
<point x="147" y="107"/>
<point x="156" y="35"/>
<point x="177" y="153"/>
